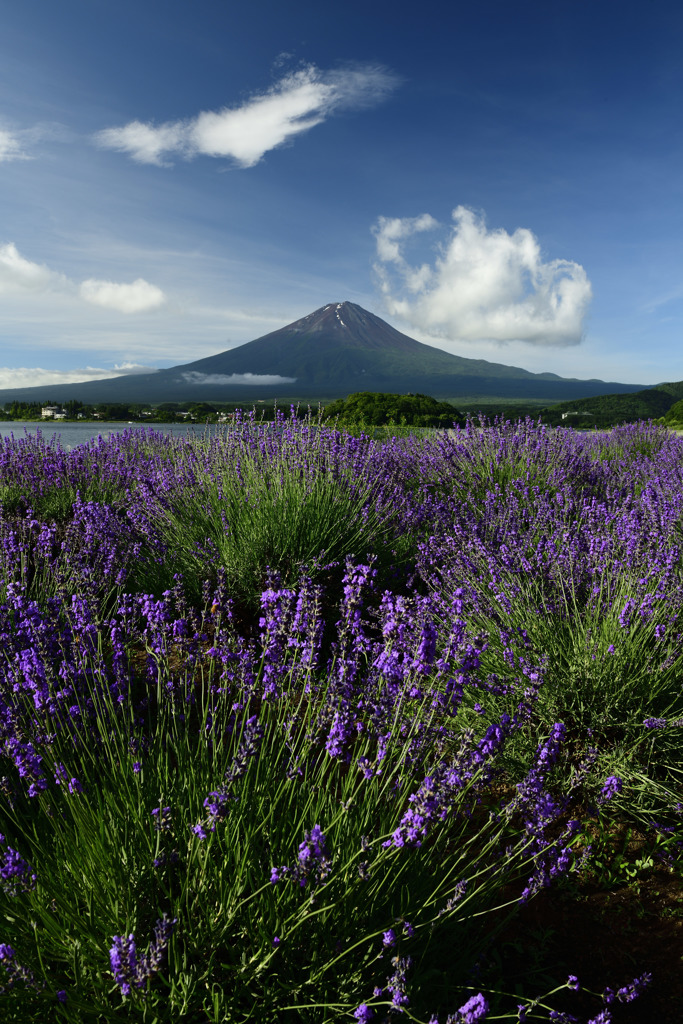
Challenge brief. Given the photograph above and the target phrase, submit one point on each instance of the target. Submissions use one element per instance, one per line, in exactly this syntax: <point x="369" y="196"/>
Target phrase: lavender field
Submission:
<point x="295" y="724"/>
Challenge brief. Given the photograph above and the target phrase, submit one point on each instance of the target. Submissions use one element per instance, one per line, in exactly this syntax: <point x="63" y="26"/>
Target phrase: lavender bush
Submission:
<point x="326" y="808"/>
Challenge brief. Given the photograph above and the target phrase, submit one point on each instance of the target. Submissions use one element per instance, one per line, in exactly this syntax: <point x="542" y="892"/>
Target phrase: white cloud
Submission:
<point x="10" y="147"/>
<point x="194" y="377"/>
<point x="29" y="377"/>
<point x="138" y="297"/>
<point x="483" y="285"/>
<point x="19" y="275"/>
<point x="130" y="369"/>
<point x="144" y="142"/>
<point x="296" y="103"/>
<point x="391" y="230"/>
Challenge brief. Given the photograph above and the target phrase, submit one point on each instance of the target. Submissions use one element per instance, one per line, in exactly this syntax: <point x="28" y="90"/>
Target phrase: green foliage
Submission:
<point x="244" y="948"/>
<point x="675" y="413"/>
<point x="113" y="410"/>
<point x="166" y="412"/>
<point x="609" y="410"/>
<point x="536" y="643"/>
<point x="600" y="658"/>
<point x="23" y="410"/>
<point x="259" y="516"/>
<point x="367" y="408"/>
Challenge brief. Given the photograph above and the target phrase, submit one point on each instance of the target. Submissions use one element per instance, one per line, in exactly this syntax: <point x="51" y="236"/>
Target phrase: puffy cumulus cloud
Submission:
<point x="483" y="285"/>
<point x="295" y="104"/>
<point x="29" y="377"/>
<point x="19" y="275"/>
<point x="390" y="231"/>
<point x="138" y="297"/>
<point x="10" y="147"/>
<point x="194" y="377"/>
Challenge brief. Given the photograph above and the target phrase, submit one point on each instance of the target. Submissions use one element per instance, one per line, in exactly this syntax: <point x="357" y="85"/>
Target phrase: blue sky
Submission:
<point x="500" y="180"/>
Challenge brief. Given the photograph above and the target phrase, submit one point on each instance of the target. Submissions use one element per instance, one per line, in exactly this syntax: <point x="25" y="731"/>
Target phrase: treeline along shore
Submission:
<point x="662" y="403"/>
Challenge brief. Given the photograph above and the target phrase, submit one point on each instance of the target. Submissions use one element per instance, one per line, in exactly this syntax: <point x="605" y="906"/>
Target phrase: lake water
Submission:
<point x="72" y="434"/>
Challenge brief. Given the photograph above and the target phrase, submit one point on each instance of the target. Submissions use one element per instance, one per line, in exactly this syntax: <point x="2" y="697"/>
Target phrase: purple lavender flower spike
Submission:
<point x="473" y="1010"/>
<point x="162" y="819"/>
<point x="613" y="785"/>
<point x="124" y="966"/>
<point x="14" y="972"/>
<point x="218" y="802"/>
<point x="314" y="862"/>
<point x="363" y="1013"/>
<point x="16" y="874"/>
<point x="132" y="969"/>
<point x="396" y="984"/>
<point x="250" y="744"/>
<point x="635" y="988"/>
<point x="340" y="733"/>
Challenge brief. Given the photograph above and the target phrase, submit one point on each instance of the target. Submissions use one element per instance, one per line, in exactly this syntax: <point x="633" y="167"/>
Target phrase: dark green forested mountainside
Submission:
<point x="674" y="415"/>
<point x="606" y="410"/>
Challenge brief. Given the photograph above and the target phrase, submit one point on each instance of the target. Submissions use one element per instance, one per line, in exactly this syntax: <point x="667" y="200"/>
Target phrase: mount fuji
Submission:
<point x="337" y="349"/>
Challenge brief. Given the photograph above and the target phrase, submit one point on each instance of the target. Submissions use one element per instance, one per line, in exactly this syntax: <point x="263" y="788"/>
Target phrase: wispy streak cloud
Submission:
<point x="295" y="104"/>
<point x="35" y="376"/>
<point x="10" y="147"/>
<point x="194" y="377"/>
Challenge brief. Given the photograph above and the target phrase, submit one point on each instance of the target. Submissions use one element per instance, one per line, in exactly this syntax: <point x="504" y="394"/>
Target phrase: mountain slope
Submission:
<point x="650" y="403"/>
<point x="343" y="342"/>
<point x="337" y="349"/>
